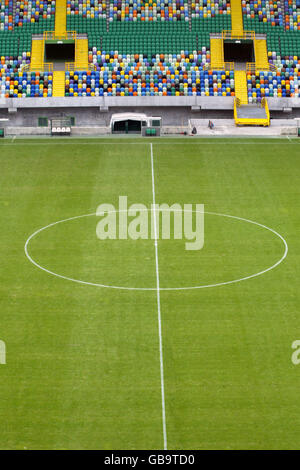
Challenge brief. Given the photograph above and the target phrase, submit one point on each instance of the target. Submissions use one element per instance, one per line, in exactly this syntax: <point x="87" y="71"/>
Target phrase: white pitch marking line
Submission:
<point x="159" y="310"/>
<point x="154" y="288"/>
<point x="198" y="141"/>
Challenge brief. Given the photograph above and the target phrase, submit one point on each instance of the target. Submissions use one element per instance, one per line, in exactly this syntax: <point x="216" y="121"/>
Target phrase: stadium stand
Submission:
<point x="279" y="21"/>
<point x="19" y="21"/>
<point x="163" y="76"/>
<point x="152" y="48"/>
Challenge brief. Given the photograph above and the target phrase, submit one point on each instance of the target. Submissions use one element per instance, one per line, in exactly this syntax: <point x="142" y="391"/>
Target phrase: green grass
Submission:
<point x="83" y="366"/>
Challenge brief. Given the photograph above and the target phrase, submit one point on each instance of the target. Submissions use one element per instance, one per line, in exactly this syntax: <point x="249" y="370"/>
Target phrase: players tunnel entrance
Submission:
<point x="60" y="51"/>
<point x="127" y="127"/>
<point x="239" y="51"/>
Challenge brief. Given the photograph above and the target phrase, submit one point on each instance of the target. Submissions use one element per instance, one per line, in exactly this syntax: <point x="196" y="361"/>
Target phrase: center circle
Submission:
<point x="154" y="288"/>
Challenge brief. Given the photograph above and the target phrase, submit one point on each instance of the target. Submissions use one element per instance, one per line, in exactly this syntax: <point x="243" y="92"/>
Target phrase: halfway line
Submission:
<point x="159" y="310"/>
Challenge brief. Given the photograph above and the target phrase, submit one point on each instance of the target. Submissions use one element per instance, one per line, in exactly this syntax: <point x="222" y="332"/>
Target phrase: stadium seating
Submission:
<point x="6" y="15"/>
<point x="210" y="17"/>
<point x="87" y="16"/>
<point x="31" y="17"/>
<point x="38" y="14"/>
<point x="285" y="13"/>
<point x="292" y="15"/>
<point x="146" y="48"/>
<point x="86" y="8"/>
<point x="22" y="85"/>
<point x="265" y="11"/>
<point x="208" y="9"/>
<point x="280" y="21"/>
<point x="148" y="11"/>
<point x="285" y="82"/>
<point x="162" y="75"/>
<point x="14" y="51"/>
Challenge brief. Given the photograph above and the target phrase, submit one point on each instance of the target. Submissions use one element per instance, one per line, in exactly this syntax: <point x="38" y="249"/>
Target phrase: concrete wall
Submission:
<point x="93" y="115"/>
<point x="216" y="103"/>
<point x="120" y="101"/>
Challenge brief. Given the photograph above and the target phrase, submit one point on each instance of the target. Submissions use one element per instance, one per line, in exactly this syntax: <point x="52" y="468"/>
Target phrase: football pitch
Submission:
<point x="132" y="344"/>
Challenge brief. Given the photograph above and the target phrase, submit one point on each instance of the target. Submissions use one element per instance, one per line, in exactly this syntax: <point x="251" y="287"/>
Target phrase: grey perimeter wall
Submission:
<point x="92" y="115"/>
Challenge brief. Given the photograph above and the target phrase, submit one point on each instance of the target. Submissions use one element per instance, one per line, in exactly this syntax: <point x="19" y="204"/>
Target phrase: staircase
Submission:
<point x="248" y="114"/>
<point x="261" y="55"/>
<point x="237" y="25"/>
<point x="81" y="54"/>
<point x="58" y="84"/>
<point x="60" y="17"/>
<point x="240" y="83"/>
<point x="217" y="53"/>
<point x="37" y="54"/>
<point x="244" y="113"/>
<point x="252" y="114"/>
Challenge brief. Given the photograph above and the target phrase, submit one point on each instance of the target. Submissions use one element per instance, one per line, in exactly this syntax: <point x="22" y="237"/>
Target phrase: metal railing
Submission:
<point x="252" y="67"/>
<point x="71" y="67"/>
<point x="51" y="35"/>
<point x="251" y="121"/>
<point x="242" y="98"/>
<point x="227" y="34"/>
<point x="220" y="66"/>
<point x="42" y="67"/>
<point x="236" y="103"/>
<point x="264" y="104"/>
